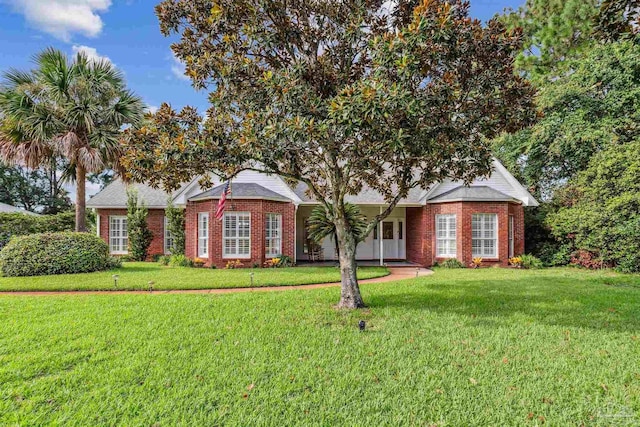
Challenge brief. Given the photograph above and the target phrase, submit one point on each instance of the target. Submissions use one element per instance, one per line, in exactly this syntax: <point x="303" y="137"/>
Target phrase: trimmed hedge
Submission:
<point x="55" y="253"/>
<point x="19" y="224"/>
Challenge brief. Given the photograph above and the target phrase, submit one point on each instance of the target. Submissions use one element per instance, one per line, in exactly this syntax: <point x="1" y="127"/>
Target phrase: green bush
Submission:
<point x="164" y="259"/>
<point x="18" y="224"/>
<point x="140" y="236"/>
<point x="55" y="253"/>
<point x="175" y="224"/>
<point x="531" y="262"/>
<point x="285" y="261"/>
<point x="452" y="263"/>
<point x="180" y="261"/>
<point x="599" y="217"/>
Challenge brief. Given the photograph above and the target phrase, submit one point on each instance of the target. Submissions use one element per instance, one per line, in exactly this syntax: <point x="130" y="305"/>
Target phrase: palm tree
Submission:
<point x="320" y="224"/>
<point x="74" y="109"/>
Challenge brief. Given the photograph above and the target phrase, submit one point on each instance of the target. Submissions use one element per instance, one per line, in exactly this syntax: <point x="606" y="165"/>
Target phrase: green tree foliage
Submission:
<point x="176" y="225"/>
<point x="19" y="224"/>
<point x="71" y="109"/>
<point x="35" y="190"/>
<point x="337" y="95"/>
<point x="601" y="208"/>
<point x="584" y="111"/>
<point x="137" y="229"/>
<point x="553" y="31"/>
<point x="320" y="224"/>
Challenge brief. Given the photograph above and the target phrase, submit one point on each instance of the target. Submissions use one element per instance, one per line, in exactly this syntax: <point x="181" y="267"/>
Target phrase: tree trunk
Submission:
<point x="350" y="293"/>
<point x="81" y="216"/>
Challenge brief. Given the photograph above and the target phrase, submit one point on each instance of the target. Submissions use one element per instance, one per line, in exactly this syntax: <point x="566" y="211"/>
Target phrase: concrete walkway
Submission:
<point x="395" y="273"/>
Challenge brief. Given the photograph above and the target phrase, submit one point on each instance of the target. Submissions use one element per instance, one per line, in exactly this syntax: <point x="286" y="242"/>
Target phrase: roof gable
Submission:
<point x="500" y="180"/>
<point x="241" y="190"/>
<point x="114" y="195"/>
<point x="478" y="193"/>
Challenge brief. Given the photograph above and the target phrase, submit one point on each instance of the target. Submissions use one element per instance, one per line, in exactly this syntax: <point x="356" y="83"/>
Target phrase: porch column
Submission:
<point x="381" y="241"/>
<point x="97" y="222"/>
<point x="295" y="234"/>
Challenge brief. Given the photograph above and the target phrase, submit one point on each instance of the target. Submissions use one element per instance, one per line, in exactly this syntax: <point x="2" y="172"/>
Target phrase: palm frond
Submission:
<point x="15" y="78"/>
<point x="54" y="72"/>
<point x="90" y="159"/>
<point x="73" y="109"/>
<point x="321" y="223"/>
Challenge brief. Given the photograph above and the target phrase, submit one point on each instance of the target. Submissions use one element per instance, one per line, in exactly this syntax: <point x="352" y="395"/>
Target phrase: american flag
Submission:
<point x="223" y="200"/>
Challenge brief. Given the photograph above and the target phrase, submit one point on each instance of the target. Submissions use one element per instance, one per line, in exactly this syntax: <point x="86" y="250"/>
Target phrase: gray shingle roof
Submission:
<point x="114" y="195"/>
<point x="242" y="190"/>
<point x="5" y="208"/>
<point x="476" y="193"/>
<point x="366" y="196"/>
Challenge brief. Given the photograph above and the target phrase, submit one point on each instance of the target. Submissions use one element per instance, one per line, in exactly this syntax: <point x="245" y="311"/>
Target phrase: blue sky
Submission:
<point x="126" y="32"/>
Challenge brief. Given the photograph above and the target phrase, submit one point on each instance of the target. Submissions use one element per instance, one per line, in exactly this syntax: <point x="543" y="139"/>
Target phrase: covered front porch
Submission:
<point x="385" y="244"/>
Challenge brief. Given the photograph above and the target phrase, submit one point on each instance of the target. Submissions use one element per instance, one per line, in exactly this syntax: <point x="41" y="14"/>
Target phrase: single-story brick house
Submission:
<point x="266" y="217"/>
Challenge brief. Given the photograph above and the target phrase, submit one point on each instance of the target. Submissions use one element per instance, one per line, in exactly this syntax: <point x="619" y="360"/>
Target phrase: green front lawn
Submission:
<point x="482" y="347"/>
<point x="137" y="275"/>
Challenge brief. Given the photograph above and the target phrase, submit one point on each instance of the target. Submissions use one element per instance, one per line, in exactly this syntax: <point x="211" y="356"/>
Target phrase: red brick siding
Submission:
<point x="421" y="238"/>
<point x="416" y="242"/>
<point x="518" y="227"/>
<point x="258" y="209"/>
<point x="155" y="221"/>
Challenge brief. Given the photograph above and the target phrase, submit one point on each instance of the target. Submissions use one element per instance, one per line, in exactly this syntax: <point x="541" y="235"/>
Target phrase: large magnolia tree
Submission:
<point x="338" y="95"/>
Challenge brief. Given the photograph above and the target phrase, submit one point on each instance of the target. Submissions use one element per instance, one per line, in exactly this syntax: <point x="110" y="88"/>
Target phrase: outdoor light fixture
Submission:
<point x="251" y="276"/>
<point x="361" y="325"/>
<point x="151" y="283"/>
<point x="417" y="271"/>
<point x="115" y="280"/>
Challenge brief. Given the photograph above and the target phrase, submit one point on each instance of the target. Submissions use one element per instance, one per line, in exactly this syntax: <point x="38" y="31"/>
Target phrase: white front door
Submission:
<point x="393" y="239"/>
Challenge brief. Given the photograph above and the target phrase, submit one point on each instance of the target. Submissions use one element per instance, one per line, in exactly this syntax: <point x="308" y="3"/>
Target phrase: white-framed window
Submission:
<point x="484" y="235"/>
<point x="168" y="238"/>
<point x="511" y="238"/>
<point x="236" y="235"/>
<point x="118" y="235"/>
<point x="446" y="236"/>
<point x="273" y="237"/>
<point x="203" y="235"/>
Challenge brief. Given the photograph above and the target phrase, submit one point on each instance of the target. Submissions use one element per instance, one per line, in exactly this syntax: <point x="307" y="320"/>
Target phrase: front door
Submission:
<point x="392" y="240"/>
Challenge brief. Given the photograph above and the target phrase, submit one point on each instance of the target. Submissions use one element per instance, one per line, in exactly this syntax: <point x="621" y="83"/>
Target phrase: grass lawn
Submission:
<point x="461" y="347"/>
<point x="137" y="275"/>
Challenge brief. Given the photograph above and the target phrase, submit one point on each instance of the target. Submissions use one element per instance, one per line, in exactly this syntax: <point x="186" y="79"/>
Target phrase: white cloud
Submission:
<point x="152" y="109"/>
<point x="177" y="68"/>
<point x="63" y="18"/>
<point x="91" y="52"/>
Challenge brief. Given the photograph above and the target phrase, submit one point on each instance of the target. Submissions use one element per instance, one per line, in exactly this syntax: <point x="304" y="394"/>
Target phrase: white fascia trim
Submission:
<point x="291" y="194"/>
<point x="431" y="190"/>
<point x="525" y="196"/>
<point x="180" y="199"/>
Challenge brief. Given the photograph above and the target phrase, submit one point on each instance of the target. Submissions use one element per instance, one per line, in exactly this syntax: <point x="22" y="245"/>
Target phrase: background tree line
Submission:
<point x="581" y="157"/>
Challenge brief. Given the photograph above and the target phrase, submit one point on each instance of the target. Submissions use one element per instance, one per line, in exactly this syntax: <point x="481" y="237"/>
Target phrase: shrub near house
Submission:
<point x="55" y="253"/>
<point x="18" y="224"/>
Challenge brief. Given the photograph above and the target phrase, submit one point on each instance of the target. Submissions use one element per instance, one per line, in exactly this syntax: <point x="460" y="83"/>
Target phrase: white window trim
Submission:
<point x="203" y="238"/>
<point x="167" y="237"/>
<point x="512" y="236"/>
<point x="235" y="255"/>
<point x="268" y="239"/>
<point x="482" y="230"/>
<point x="120" y="236"/>
<point x="448" y="229"/>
